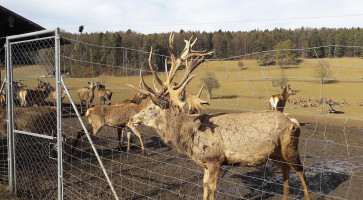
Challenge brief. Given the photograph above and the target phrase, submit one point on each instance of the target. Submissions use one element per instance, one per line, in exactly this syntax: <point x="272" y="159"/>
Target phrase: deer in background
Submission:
<point x="213" y="140"/>
<point x="278" y="101"/>
<point x="86" y="95"/>
<point x="104" y="94"/>
<point x="17" y="86"/>
<point x="36" y="96"/>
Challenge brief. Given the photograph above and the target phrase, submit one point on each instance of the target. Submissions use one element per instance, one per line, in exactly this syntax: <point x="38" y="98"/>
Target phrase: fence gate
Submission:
<point x="33" y="115"/>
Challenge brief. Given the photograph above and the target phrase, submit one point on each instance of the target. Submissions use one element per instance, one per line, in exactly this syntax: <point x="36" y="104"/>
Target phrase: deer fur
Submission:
<point x="248" y="139"/>
<point x="213" y="140"/>
<point x="86" y="95"/>
<point x="278" y="101"/>
<point x="104" y="94"/>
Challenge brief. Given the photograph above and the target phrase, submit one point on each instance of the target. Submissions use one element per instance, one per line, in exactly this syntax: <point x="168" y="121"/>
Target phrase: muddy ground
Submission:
<point x="330" y="150"/>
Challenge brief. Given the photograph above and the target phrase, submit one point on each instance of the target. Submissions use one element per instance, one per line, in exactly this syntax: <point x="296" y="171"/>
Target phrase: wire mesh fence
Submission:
<point x="329" y="115"/>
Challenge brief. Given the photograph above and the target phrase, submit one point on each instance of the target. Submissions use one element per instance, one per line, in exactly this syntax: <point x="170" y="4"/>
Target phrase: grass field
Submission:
<point x="247" y="88"/>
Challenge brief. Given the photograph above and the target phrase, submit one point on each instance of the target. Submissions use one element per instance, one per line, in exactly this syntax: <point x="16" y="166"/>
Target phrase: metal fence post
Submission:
<point x="10" y="121"/>
<point x="59" y="115"/>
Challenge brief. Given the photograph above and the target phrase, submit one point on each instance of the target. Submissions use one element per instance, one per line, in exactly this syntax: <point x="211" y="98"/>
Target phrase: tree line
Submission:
<point x="224" y="43"/>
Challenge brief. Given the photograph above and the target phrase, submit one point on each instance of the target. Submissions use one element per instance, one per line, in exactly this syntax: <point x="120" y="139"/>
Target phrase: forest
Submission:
<point x="130" y="48"/>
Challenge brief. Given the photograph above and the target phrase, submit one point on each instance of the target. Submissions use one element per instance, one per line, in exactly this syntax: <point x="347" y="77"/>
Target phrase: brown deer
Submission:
<point x="86" y="95"/>
<point x="54" y="96"/>
<point x="117" y="116"/>
<point x="278" y="101"/>
<point x="104" y="94"/>
<point x="36" y="96"/>
<point x="213" y="140"/>
<point x="17" y="86"/>
<point x="42" y="84"/>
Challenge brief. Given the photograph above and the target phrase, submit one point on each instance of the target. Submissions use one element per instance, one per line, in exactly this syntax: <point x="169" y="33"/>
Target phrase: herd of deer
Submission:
<point x="211" y="140"/>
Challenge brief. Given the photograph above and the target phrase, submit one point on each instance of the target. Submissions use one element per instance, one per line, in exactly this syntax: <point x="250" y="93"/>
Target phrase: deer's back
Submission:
<point x="244" y="138"/>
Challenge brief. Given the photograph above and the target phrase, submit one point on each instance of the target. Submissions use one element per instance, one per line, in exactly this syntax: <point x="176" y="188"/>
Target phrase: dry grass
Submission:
<point x="247" y="88"/>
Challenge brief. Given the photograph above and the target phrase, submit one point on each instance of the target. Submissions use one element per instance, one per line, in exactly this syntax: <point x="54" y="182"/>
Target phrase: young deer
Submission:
<point x="213" y="140"/>
<point x="104" y="94"/>
<point x="86" y="95"/>
<point x="278" y="101"/>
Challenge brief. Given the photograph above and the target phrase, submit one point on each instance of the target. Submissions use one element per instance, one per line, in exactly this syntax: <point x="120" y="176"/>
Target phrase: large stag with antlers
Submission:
<point x="213" y="140"/>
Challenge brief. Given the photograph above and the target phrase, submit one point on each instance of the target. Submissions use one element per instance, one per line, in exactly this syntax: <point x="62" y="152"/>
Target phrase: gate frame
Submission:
<point x="10" y="106"/>
<point x="10" y="113"/>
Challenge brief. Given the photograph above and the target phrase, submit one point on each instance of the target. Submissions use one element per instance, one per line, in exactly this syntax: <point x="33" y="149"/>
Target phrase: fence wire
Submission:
<point x="329" y="114"/>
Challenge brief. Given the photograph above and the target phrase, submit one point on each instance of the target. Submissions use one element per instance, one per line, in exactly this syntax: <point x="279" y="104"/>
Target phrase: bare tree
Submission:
<point x="210" y="82"/>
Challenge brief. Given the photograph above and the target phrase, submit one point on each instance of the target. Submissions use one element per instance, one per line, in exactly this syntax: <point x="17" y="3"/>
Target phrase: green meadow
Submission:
<point x="244" y="88"/>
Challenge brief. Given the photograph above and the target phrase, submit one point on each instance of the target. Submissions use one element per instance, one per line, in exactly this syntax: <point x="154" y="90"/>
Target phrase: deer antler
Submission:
<point x="176" y="93"/>
<point x="195" y="103"/>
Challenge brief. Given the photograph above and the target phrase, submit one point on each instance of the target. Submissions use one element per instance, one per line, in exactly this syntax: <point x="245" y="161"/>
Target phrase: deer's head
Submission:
<point x="169" y="94"/>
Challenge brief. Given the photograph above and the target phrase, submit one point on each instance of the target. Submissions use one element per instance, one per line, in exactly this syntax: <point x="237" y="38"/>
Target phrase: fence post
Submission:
<point x="59" y="115"/>
<point x="10" y="122"/>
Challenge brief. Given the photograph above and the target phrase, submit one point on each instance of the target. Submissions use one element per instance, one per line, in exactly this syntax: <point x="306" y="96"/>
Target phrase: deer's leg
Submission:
<point x="299" y="171"/>
<point x="79" y="135"/>
<point x="285" y="174"/>
<point x="137" y="133"/>
<point x="205" y="184"/>
<point x="210" y="180"/>
<point x="128" y="140"/>
<point x="81" y="105"/>
<point x="120" y="134"/>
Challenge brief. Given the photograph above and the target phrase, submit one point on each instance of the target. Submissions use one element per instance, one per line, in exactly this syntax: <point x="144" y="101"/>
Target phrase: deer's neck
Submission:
<point x="177" y="130"/>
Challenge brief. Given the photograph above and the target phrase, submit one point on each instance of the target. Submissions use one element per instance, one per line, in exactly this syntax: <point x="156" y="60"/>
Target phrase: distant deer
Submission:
<point x="278" y="101"/>
<point x="17" y="86"/>
<point x="86" y="95"/>
<point x="54" y="96"/>
<point x="36" y="96"/>
<point x="104" y="94"/>
<point x="213" y="140"/>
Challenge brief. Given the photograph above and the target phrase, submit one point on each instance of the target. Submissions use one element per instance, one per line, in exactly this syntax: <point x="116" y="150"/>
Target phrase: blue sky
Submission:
<point x="156" y="16"/>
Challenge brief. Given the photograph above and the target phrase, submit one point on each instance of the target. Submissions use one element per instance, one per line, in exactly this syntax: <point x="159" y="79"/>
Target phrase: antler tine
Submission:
<point x="191" y="66"/>
<point x="144" y="84"/>
<point x="153" y="69"/>
<point x="175" y="94"/>
<point x="139" y="90"/>
<point x="156" y="88"/>
<point x="175" y="63"/>
<point x="200" y="91"/>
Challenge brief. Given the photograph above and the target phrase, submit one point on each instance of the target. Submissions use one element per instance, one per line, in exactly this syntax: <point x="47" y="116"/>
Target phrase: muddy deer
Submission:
<point x="213" y="140"/>
<point x="278" y="101"/>
<point x="104" y="94"/>
<point x="86" y="95"/>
